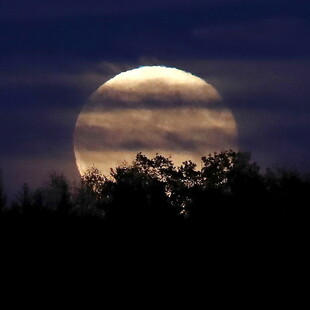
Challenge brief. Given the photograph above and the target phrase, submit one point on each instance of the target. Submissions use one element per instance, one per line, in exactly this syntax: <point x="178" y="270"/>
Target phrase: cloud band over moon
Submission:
<point x="152" y="109"/>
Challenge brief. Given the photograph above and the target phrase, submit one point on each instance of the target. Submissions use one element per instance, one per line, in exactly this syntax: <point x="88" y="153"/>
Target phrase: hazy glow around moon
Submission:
<point x="152" y="109"/>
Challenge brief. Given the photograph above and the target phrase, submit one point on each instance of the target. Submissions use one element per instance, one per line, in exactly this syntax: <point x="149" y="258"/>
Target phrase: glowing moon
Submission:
<point x="152" y="109"/>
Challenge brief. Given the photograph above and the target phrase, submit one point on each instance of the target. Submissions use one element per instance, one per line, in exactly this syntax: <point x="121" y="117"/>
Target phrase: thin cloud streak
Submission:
<point x="174" y="131"/>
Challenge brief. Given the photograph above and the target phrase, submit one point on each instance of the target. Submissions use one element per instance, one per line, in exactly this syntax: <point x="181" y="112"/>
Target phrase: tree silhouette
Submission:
<point x="137" y="192"/>
<point x="88" y="196"/>
<point x="25" y="200"/>
<point x="228" y="193"/>
<point x="155" y="188"/>
<point x="3" y="198"/>
<point x="56" y="194"/>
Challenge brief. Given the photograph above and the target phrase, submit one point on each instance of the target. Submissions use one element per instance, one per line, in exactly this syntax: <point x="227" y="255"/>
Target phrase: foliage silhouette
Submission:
<point x="227" y="194"/>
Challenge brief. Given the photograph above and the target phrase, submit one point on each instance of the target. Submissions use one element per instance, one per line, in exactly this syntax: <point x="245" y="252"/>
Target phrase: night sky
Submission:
<point x="54" y="54"/>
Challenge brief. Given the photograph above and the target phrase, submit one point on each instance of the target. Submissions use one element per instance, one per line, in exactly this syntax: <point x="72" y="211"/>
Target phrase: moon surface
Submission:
<point x="152" y="109"/>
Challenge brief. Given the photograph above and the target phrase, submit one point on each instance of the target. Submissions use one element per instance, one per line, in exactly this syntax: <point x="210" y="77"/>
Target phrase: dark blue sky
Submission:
<point x="54" y="54"/>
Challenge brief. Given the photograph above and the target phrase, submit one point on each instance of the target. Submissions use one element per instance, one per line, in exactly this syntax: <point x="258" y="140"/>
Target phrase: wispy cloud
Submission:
<point x="175" y="129"/>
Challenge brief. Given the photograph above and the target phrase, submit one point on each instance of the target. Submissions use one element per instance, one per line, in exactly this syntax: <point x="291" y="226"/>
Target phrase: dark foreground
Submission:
<point x="245" y="260"/>
<point x="159" y="224"/>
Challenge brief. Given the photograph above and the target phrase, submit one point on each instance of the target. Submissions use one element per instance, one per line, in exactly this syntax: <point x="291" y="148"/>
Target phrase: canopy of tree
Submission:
<point x="227" y="190"/>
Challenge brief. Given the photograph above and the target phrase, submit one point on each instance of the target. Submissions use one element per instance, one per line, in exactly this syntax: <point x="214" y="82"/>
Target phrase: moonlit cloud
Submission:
<point x="84" y="80"/>
<point x="173" y="129"/>
<point x="152" y="109"/>
<point x="145" y="88"/>
<point x="136" y="85"/>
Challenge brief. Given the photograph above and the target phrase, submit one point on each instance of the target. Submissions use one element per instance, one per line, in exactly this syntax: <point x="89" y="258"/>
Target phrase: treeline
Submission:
<point x="228" y="190"/>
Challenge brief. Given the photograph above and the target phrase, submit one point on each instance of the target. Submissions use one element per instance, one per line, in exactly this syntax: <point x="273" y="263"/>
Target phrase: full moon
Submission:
<point x="152" y="109"/>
